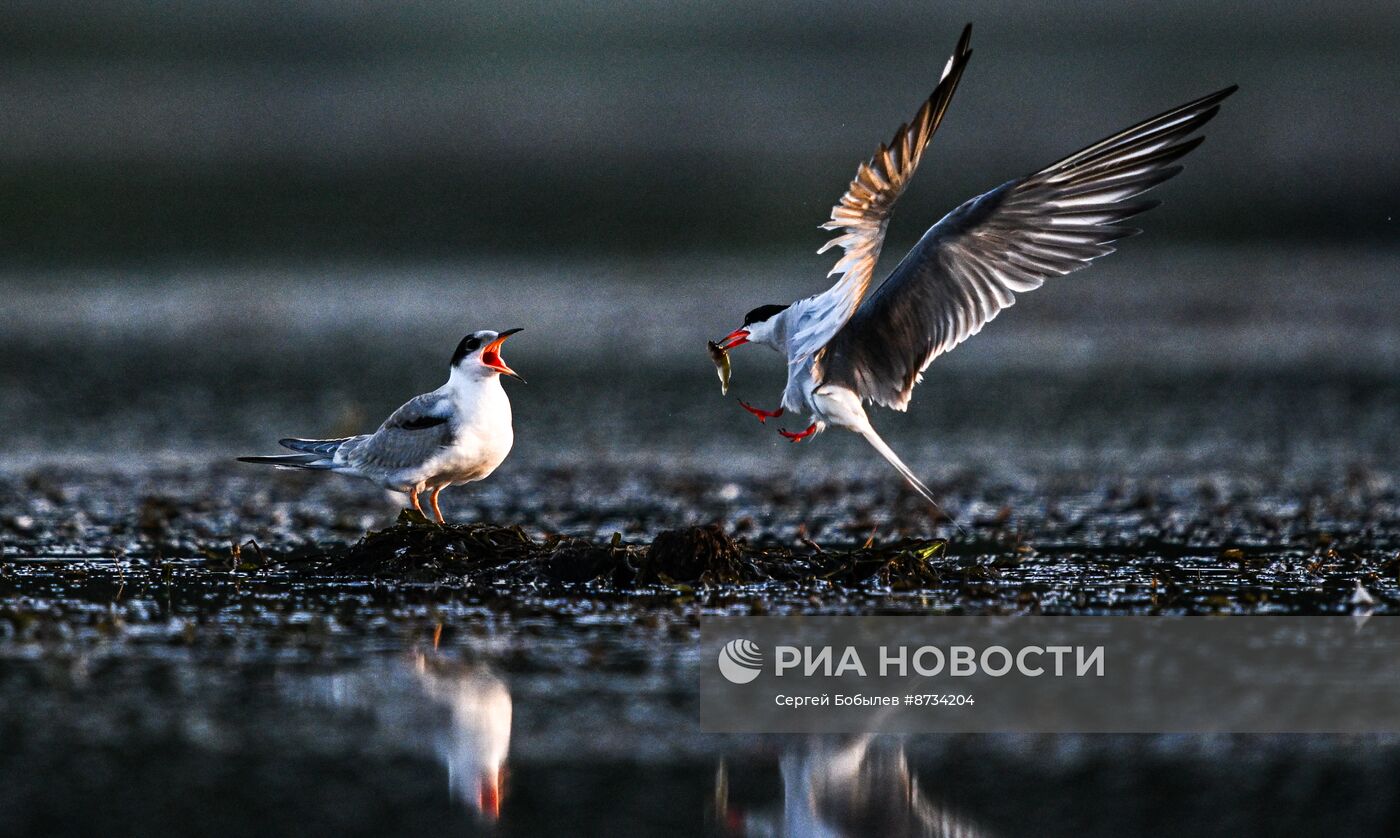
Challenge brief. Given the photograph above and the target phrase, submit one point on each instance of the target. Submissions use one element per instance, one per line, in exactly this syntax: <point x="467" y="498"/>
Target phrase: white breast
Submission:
<point x="482" y="433"/>
<point x="801" y="357"/>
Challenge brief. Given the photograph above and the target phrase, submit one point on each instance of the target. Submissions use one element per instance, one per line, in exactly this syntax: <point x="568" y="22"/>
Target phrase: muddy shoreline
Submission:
<point x="1155" y="546"/>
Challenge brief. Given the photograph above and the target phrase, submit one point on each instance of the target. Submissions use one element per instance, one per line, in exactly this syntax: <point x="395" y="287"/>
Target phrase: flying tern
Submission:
<point x="849" y="346"/>
<point x="458" y="433"/>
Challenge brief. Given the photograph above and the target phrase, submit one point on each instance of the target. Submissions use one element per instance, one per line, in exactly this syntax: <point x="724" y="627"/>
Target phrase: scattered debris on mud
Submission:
<point x="646" y="539"/>
<point x="416" y="550"/>
<point x="969" y="576"/>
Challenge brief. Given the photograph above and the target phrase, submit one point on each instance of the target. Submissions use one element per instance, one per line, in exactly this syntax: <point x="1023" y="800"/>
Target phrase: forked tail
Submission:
<point x="315" y="461"/>
<point x="904" y="471"/>
<point x="316" y="454"/>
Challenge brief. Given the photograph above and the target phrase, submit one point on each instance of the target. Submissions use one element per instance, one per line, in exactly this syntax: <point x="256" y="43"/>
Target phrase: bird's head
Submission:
<point x="760" y="326"/>
<point x="479" y="355"/>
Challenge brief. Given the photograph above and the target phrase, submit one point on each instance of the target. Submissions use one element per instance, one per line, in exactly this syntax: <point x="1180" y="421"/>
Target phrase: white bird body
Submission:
<point x="459" y="433"/>
<point x="801" y="393"/>
<point x="850" y="346"/>
<point x="479" y="438"/>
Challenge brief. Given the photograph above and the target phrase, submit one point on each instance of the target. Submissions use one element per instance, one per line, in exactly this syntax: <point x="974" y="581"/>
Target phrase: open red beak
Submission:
<point x="738" y="337"/>
<point x="491" y="355"/>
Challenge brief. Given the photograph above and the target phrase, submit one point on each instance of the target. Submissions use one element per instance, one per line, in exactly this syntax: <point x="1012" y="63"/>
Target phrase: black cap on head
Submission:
<point x="469" y="344"/>
<point x="762" y="313"/>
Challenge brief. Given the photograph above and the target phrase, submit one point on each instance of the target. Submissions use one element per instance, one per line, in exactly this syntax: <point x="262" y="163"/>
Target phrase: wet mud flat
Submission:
<point x="639" y="538"/>
<point x="198" y="642"/>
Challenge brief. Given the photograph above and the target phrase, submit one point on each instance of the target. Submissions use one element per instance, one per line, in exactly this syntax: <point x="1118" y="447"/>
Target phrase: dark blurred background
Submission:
<point x="221" y="223"/>
<point x="141" y="131"/>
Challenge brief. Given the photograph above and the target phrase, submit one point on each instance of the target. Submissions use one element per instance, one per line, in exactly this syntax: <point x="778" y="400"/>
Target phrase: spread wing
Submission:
<point x="969" y="266"/>
<point x="412" y="435"/>
<point x="863" y="213"/>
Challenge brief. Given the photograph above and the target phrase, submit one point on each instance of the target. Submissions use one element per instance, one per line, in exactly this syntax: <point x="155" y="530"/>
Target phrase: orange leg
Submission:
<point x="792" y="437"/>
<point x="413" y="496"/>
<point x="763" y="415"/>
<point x="433" y="500"/>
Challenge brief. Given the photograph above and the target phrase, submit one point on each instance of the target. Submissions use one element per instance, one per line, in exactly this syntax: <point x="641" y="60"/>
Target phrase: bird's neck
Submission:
<point x="775" y="336"/>
<point x="477" y="394"/>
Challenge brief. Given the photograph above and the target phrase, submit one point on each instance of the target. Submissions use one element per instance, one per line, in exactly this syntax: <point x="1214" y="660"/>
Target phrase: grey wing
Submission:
<point x="863" y="213"/>
<point x="971" y="264"/>
<point x="411" y="436"/>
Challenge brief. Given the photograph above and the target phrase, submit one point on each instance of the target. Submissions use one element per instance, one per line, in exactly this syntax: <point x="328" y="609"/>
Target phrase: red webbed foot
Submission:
<point x="763" y="415"/>
<point x="792" y="437"/>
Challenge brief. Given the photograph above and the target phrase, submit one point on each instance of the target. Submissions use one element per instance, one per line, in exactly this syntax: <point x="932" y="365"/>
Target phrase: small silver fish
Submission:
<point x="721" y="359"/>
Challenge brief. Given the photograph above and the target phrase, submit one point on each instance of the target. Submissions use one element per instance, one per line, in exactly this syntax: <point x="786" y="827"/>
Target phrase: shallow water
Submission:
<point x="1196" y="431"/>
<point x="533" y="722"/>
<point x="138" y="699"/>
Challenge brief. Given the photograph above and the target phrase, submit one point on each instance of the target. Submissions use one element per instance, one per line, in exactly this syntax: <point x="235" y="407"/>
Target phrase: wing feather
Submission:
<point x="971" y="264"/>
<point x="862" y="214"/>
<point x="411" y="435"/>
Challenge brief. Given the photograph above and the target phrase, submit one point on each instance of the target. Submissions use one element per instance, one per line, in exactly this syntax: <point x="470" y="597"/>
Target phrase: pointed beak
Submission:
<point x="491" y="355"/>
<point x="738" y="337"/>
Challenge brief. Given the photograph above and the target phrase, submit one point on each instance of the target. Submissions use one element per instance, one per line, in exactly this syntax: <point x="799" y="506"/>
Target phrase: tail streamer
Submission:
<point x="888" y="453"/>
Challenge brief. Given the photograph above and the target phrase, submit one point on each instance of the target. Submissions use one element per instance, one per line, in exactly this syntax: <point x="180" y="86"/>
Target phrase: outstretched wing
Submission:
<point x="969" y="266"/>
<point x="863" y="213"/>
<point x="411" y="436"/>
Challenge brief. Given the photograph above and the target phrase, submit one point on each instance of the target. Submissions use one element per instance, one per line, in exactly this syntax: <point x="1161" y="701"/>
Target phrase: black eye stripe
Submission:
<point x="469" y="344"/>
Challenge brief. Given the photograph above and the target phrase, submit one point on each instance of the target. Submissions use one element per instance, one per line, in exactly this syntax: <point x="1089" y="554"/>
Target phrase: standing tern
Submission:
<point x="458" y="433"/>
<point x="846" y="347"/>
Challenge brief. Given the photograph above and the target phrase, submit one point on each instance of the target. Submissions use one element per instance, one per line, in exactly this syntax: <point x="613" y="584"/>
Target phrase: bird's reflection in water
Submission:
<point x="474" y="746"/>
<point x="848" y="787"/>
<point x="427" y="702"/>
